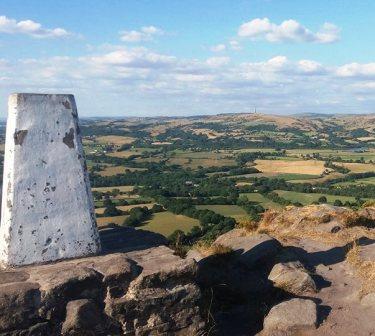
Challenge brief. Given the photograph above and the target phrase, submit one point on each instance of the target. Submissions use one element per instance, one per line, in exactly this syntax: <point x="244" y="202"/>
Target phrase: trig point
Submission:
<point x="47" y="207"/>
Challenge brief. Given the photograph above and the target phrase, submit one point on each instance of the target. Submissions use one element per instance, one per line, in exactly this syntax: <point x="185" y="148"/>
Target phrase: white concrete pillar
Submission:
<point x="47" y="206"/>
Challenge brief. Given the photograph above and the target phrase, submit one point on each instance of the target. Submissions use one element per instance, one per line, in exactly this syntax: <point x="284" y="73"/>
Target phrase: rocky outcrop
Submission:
<point x="150" y="291"/>
<point x="244" y="269"/>
<point x="290" y="318"/>
<point x="293" y="278"/>
<point x="250" y="249"/>
<point x="237" y="280"/>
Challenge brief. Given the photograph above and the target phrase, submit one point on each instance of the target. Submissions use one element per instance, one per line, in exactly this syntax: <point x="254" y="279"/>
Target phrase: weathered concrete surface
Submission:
<point x="47" y="206"/>
<point x="144" y="292"/>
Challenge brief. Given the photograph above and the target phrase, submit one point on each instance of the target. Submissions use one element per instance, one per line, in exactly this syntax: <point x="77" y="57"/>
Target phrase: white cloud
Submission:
<point x="312" y="67"/>
<point x="234" y="45"/>
<point x="217" y="61"/>
<point x="218" y="48"/>
<point x="158" y="83"/>
<point x="144" y="34"/>
<point x="357" y="70"/>
<point x="287" y="31"/>
<point x="135" y="58"/>
<point x="31" y="28"/>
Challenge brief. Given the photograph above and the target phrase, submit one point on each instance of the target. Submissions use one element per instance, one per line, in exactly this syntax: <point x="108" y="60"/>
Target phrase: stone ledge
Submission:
<point x="135" y="293"/>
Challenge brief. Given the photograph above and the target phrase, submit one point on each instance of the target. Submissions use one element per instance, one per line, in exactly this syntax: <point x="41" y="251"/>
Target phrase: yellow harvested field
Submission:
<point x="205" y="131"/>
<point x="358" y="167"/>
<point x="121" y="188"/>
<point x="325" y="178"/>
<point x="115" y="139"/>
<point x="295" y="167"/>
<point x="112" y="170"/>
<point x="161" y="143"/>
<point x="130" y="152"/>
<point x="195" y="163"/>
<point x="104" y="221"/>
<point x="241" y="184"/>
<point x="369" y="138"/>
<point x="123" y="154"/>
<point x="100" y="211"/>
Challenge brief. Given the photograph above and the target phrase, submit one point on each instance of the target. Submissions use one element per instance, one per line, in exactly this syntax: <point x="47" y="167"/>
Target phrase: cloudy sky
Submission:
<point x="172" y="57"/>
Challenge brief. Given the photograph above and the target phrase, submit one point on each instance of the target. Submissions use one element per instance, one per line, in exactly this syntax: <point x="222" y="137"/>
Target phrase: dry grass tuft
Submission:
<point x="285" y="226"/>
<point x="207" y="249"/>
<point x="352" y="218"/>
<point x="369" y="204"/>
<point x="250" y="226"/>
<point x="365" y="269"/>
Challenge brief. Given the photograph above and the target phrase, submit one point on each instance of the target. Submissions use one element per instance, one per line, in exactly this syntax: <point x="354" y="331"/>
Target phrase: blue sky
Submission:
<point x="147" y="58"/>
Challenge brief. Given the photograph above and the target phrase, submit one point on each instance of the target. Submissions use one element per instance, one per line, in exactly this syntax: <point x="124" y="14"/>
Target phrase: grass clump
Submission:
<point x="364" y="268"/>
<point x="249" y="225"/>
<point x="207" y="249"/>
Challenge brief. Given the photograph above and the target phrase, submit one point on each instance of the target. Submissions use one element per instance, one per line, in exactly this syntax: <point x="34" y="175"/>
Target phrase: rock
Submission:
<point x="318" y="218"/>
<point x="63" y="282"/>
<point x="292" y="277"/>
<point x="117" y="270"/>
<point x="83" y="317"/>
<point x="368" y="300"/>
<point x="250" y="249"/>
<point x="368" y="212"/>
<point x="291" y="316"/>
<point x="367" y="252"/>
<point x="194" y="254"/>
<point x="164" y="292"/>
<point x="151" y="291"/>
<point x="19" y="304"/>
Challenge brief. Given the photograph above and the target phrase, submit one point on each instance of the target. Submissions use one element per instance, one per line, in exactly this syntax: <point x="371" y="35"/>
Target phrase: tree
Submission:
<point x="322" y="199"/>
<point x="338" y="203"/>
<point x="111" y="210"/>
<point x="157" y="208"/>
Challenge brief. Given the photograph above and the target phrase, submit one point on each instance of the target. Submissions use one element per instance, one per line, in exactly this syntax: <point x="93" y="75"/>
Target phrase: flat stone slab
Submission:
<point x="47" y="206"/>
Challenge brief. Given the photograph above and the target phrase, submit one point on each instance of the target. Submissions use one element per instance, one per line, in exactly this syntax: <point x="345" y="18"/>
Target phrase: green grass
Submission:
<point x="285" y="176"/>
<point x="325" y="153"/>
<point x="308" y="198"/>
<point x="166" y="223"/>
<point x="263" y="201"/>
<point x="365" y="181"/>
<point x="291" y="177"/>
<point x="226" y="210"/>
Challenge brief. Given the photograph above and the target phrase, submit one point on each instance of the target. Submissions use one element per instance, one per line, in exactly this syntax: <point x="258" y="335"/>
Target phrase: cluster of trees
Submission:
<point x="212" y="224"/>
<point x="243" y="158"/>
<point x="137" y="215"/>
<point x="339" y="169"/>
<point x="254" y="210"/>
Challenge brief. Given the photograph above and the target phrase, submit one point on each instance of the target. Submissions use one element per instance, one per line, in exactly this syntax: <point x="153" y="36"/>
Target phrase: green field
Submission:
<point x="226" y="210"/>
<point x="308" y="198"/>
<point x="345" y="154"/>
<point x="121" y="188"/>
<point x="166" y="223"/>
<point x="263" y="201"/>
<point x="365" y="181"/>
